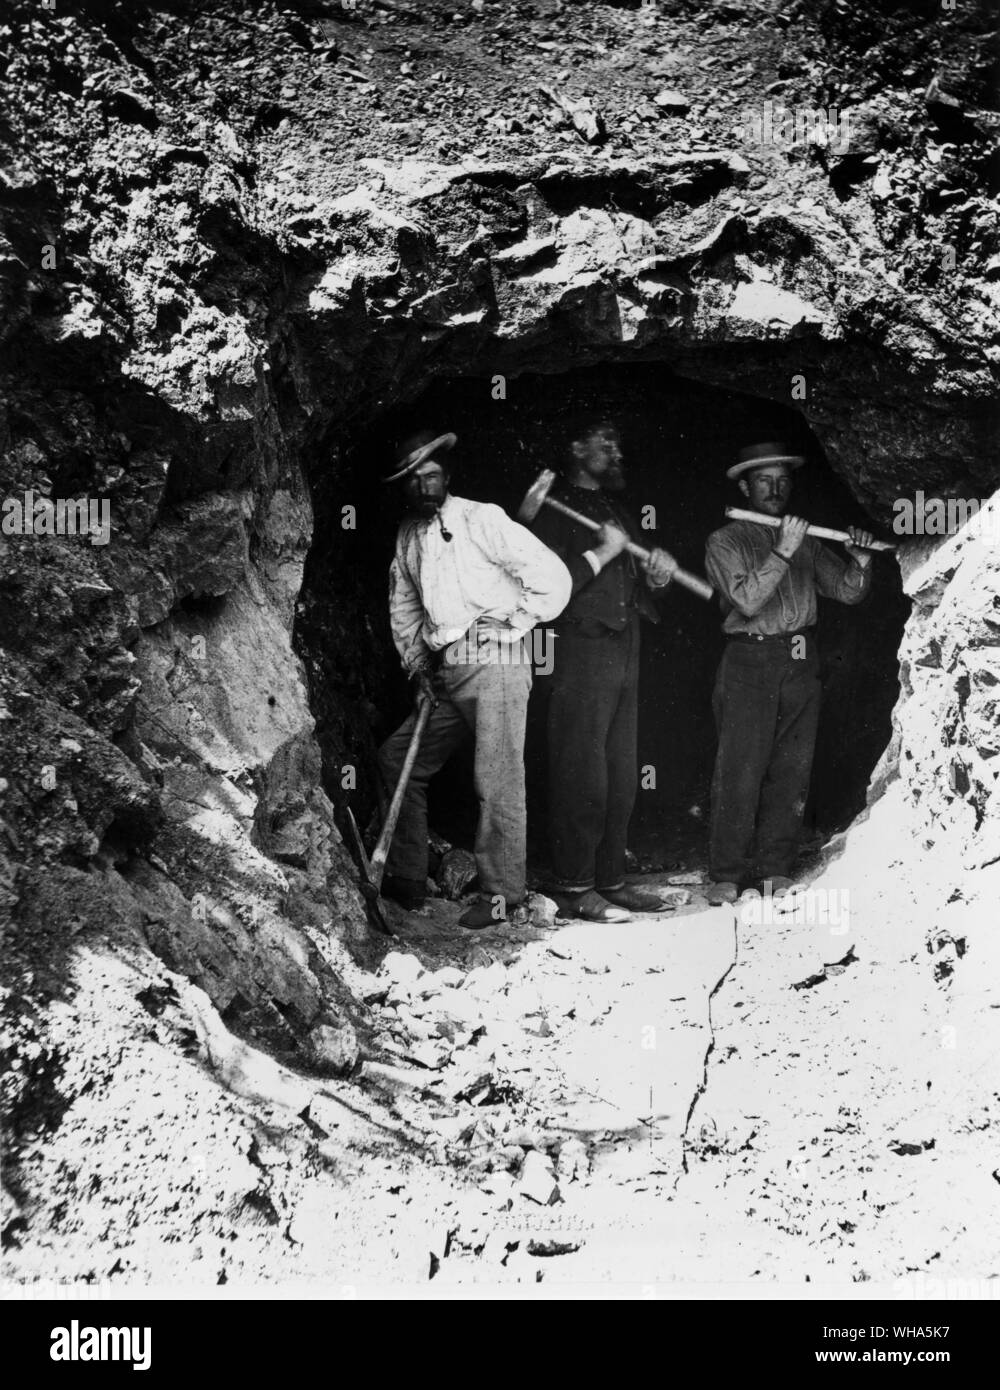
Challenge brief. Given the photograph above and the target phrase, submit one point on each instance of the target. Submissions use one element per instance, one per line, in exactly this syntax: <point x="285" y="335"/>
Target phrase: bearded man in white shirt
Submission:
<point x="466" y="586"/>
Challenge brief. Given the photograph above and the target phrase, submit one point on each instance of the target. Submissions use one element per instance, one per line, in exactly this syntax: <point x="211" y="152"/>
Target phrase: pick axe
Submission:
<point x="373" y="869"/>
<point x="538" y="497"/>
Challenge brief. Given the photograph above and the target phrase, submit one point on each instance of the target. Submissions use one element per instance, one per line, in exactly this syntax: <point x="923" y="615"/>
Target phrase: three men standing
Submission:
<point x="465" y="581"/>
<point x="767" y="691"/>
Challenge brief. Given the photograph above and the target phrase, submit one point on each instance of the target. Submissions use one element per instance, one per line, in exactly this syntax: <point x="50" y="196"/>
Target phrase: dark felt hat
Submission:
<point x="412" y="452"/>
<point x="756" y="455"/>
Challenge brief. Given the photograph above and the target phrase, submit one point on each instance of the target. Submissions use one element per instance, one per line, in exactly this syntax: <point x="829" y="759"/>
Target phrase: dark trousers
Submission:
<point x="592" y="722"/>
<point x="766" y="705"/>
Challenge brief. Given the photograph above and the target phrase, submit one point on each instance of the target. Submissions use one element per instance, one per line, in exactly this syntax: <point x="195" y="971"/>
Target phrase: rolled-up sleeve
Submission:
<point x="843" y="580"/>
<point x="747" y="587"/>
<point x="544" y="580"/>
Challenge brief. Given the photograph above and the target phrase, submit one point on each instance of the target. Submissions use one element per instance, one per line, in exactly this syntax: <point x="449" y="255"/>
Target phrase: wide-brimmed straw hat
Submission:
<point x="412" y="452"/>
<point x="756" y="455"/>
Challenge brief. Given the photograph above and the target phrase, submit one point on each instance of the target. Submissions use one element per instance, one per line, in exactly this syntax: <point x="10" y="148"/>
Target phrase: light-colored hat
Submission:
<point x="756" y="455"/>
<point x="412" y="452"/>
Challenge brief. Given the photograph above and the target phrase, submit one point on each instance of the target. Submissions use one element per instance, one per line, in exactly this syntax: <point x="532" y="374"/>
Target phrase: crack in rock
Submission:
<point x="703" y="1083"/>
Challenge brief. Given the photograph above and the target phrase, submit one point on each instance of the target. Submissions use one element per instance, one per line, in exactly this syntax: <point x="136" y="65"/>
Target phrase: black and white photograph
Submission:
<point x="500" y="662"/>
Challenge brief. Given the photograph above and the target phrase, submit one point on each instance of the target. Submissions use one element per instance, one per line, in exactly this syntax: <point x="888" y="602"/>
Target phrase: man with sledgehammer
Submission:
<point x="465" y="587"/>
<point x="592" y="714"/>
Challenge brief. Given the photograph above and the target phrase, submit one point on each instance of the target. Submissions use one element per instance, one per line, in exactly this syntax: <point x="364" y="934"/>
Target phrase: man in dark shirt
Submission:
<point x="592" y="715"/>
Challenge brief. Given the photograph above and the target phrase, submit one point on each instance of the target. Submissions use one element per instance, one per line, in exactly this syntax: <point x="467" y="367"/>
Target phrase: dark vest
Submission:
<point x="607" y="600"/>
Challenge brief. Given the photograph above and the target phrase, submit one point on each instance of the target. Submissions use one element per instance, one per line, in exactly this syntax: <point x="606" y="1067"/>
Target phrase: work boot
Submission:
<point x="589" y="906"/>
<point x="410" y="893"/>
<point x="718" y="893"/>
<point x="491" y="911"/>
<point x="633" y="899"/>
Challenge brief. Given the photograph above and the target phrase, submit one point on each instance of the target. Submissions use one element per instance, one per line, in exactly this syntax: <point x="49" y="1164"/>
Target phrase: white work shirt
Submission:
<point x="491" y="568"/>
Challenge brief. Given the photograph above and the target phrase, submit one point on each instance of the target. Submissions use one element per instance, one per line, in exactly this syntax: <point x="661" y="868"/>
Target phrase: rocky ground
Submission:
<point x="710" y="1097"/>
<point x="232" y="236"/>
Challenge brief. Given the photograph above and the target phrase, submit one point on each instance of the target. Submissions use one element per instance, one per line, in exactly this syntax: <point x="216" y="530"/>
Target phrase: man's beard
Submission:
<point x="614" y="480"/>
<point x="429" y="504"/>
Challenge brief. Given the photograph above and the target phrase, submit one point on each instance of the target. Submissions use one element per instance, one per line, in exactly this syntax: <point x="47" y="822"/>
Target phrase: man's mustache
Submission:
<point x="428" y="501"/>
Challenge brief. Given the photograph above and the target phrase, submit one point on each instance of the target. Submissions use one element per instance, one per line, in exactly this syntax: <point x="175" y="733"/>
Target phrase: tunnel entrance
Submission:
<point x="679" y="435"/>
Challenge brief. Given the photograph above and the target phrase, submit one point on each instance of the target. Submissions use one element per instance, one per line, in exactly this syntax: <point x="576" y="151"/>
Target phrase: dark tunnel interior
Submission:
<point x="679" y="435"/>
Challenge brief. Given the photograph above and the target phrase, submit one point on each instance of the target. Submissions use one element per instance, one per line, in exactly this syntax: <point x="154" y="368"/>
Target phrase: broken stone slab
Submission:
<point x="398" y="997"/>
<point x="524" y="1136"/>
<point x="485" y="982"/>
<point x="242" y="1068"/>
<point x="435" y="980"/>
<point x="370" y="989"/>
<point x="325" y="1112"/>
<point x="402" y="969"/>
<point x="672" y="101"/>
<point x="543" y="910"/>
<point x="524" y="252"/>
<point x="452" y="1129"/>
<point x="587" y="122"/>
<point x="393" y="1078"/>
<point x="503" y="1033"/>
<point x="573" y="1161"/>
<point x="457" y="1008"/>
<point x="468" y="1082"/>
<point x="414" y="1026"/>
<point x="538" y="1179"/>
<point x="455" y="872"/>
<point x="429" y="1054"/>
<point x="333" y="1046"/>
<point x="452" y="1033"/>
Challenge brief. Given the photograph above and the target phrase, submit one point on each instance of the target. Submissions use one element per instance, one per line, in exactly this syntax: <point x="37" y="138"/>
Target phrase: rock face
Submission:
<point x="229" y="236"/>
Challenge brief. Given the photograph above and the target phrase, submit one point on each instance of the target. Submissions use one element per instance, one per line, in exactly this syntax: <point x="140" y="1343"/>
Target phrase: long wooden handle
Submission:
<point x="823" y="532"/>
<point x="694" y="582"/>
<point x="381" y="851"/>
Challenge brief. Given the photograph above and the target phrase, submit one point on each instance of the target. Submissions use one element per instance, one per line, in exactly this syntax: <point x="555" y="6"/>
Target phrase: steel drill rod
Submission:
<point x="823" y="532"/>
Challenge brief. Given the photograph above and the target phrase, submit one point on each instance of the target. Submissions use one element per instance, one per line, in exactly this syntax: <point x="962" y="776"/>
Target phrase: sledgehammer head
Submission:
<point x="535" y="496"/>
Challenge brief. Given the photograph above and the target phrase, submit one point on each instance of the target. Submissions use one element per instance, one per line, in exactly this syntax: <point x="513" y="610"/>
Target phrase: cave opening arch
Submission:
<point x="679" y="434"/>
